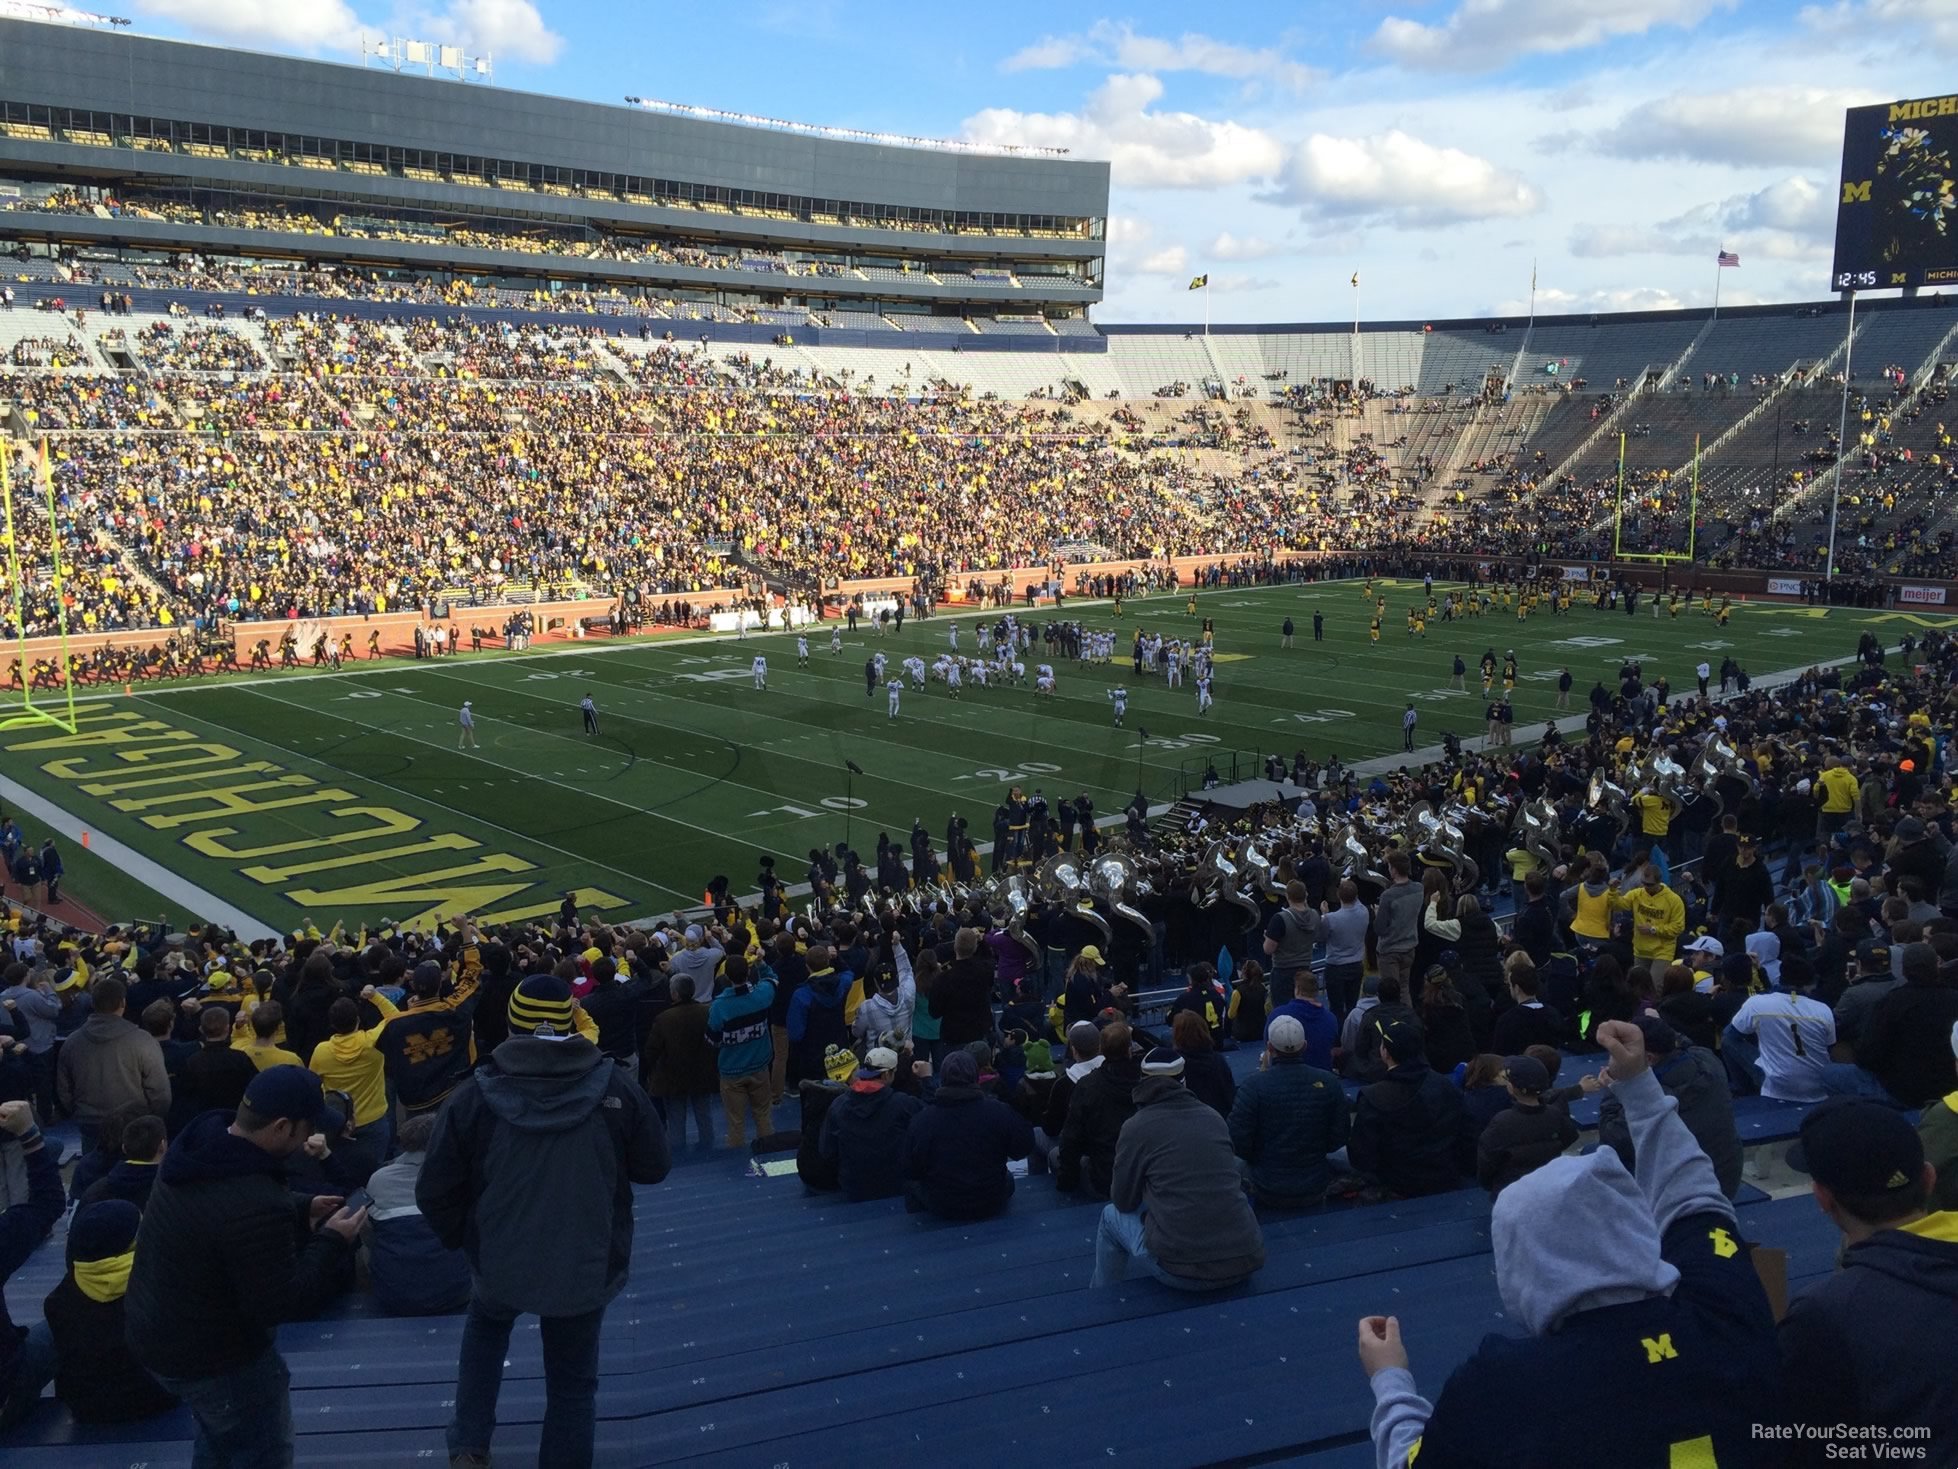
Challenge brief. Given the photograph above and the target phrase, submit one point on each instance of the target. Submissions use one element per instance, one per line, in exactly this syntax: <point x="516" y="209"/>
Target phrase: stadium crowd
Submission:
<point x="1796" y="936"/>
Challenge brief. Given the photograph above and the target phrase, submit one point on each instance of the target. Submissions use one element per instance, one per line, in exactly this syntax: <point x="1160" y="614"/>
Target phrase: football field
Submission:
<point x="318" y="796"/>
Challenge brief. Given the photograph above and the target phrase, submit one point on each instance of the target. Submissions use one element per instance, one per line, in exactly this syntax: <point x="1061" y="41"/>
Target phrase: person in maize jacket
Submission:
<point x="1640" y="1302"/>
<point x="530" y="1174"/>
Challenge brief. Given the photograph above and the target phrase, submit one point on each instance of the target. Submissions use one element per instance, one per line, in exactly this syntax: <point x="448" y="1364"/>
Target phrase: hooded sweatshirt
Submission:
<point x="1653" y="1301"/>
<point x="352" y="1063"/>
<point x="817" y="1021"/>
<point x="1862" y="1345"/>
<point x="530" y="1173"/>
<point x="107" y="1064"/>
<point x="863" y="1135"/>
<point x="1174" y="1162"/>
<point x="225" y="1254"/>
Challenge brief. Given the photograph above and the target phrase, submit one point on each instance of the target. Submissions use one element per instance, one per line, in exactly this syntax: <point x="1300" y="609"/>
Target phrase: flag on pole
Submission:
<point x="1198" y="282"/>
<point x="1727" y="257"/>
<point x="1356" y="280"/>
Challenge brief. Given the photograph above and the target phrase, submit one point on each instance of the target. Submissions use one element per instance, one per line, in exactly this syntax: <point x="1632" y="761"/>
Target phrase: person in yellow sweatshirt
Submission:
<point x="1658" y="915"/>
<point x="259" y="1035"/>
<point x="347" y="1061"/>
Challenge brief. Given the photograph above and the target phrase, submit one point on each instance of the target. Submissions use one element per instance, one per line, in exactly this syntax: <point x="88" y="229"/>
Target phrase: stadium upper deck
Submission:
<point x="161" y="147"/>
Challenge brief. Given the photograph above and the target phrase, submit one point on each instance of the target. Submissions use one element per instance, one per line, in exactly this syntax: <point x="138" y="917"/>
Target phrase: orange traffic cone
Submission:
<point x="128" y="692"/>
<point x="84" y="839"/>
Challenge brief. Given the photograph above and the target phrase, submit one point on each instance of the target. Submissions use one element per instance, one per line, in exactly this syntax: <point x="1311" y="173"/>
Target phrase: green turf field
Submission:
<point x="343" y="796"/>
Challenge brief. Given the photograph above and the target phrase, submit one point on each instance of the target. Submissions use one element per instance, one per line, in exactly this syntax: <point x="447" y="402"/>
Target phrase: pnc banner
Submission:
<point x="1784" y="586"/>
<point x="1921" y="596"/>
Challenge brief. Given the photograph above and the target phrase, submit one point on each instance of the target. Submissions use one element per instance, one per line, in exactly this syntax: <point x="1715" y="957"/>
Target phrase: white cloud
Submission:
<point x="1233" y="284"/>
<point x="306" y="25"/>
<point x="511" y="28"/>
<point x="1749" y="125"/>
<point x="1791" y="220"/>
<point x="1400" y="179"/>
<point x="1146" y="149"/>
<point x="505" y="28"/>
<point x="1907" y="23"/>
<point x="1228" y="246"/>
<point x="1484" y="35"/>
<point x="1555" y="301"/>
<point x="1173" y="260"/>
<point x="1128" y="229"/>
<point x="1117" y="44"/>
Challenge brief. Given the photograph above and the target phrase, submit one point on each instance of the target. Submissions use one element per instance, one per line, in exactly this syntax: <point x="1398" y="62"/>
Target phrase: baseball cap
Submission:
<point x="1091" y="954"/>
<point x="1285" y="1035"/>
<point x="1858" y="1145"/>
<point x="880" y="1058"/>
<point x="1404" y="1037"/>
<point x="1084" y="1036"/>
<point x="1525" y="1073"/>
<point x="1873" y="952"/>
<point x="1162" y="1061"/>
<point x="288" y="1094"/>
<point x="1707" y="944"/>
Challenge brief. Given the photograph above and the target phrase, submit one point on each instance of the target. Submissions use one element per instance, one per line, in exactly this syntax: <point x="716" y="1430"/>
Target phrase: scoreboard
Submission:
<point x="1897" y="219"/>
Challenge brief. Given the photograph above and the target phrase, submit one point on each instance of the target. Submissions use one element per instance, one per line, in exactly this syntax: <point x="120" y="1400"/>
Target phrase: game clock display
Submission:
<point x="1897" y="213"/>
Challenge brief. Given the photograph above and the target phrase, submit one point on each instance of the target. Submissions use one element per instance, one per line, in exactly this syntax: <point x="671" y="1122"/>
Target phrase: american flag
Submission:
<point x="1727" y="257"/>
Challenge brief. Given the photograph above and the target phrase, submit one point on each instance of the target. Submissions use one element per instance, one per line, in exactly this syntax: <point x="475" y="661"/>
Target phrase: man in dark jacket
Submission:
<point x="1409" y="1128"/>
<point x="1905" y="1051"/>
<point x="1104" y="1100"/>
<point x="1525" y="1135"/>
<point x="1637" y="1288"/>
<point x="1862" y="1346"/>
<point x="225" y="1254"/>
<point x="962" y="996"/>
<point x="681" y="1068"/>
<point x="1694" y="1078"/>
<point x="212" y="1078"/>
<point x="429" y="1047"/>
<point x="956" y="1149"/>
<point x="1287" y="1117"/>
<point x="1363" y="1062"/>
<point x="546" y="1138"/>
<point x="134" y="1175"/>
<point x="864" y="1129"/>
<point x="1177" y="1209"/>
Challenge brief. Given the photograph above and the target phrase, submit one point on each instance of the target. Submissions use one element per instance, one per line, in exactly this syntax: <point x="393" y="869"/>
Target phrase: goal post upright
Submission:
<point x="28" y="713"/>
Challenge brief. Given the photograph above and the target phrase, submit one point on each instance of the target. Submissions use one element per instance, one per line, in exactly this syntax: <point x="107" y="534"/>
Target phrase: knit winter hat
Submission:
<point x="960" y="1070"/>
<point x="541" y="1006"/>
<point x="1162" y="1061"/>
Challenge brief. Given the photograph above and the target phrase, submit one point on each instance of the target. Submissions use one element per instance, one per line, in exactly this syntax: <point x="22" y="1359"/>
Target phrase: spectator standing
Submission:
<point x="1856" y="1347"/>
<point x="349" y="1060"/>
<point x="699" y="958"/>
<point x="1320" y="1025"/>
<point x="863" y="1131"/>
<point x="1599" y="1268"/>
<point x="737" y="1027"/>
<point x="545" y="1140"/>
<point x="1345" y="930"/>
<point x="214" y="1077"/>
<point x="109" y="1063"/>
<point x="1290" y="938"/>
<point x="34" y="1002"/>
<point x="1397" y="921"/>
<point x="1287" y="1116"/>
<point x="225" y="1254"/>
<point x="1409" y="1127"/>
<point x="1177" y="1208"/>
<point x="1901" y="1057"/>
<point x="428" y="1048"/>
<point x="681" y="1067"/>
<point x="1206" y="1075"/>
<point x="956" y="1149"/>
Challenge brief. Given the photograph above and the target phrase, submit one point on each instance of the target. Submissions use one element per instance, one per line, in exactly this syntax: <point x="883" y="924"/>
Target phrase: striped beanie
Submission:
<point x="541" y="1006"/>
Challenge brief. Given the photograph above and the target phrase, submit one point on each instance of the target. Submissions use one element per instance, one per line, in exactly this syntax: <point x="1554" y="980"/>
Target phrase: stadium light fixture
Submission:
<point x="851" y="135"/>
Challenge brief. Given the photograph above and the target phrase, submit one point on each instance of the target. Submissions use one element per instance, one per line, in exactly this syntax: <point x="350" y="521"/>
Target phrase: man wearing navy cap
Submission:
<point x="225" y="1254"/>
<point x="1863" y="1346"/>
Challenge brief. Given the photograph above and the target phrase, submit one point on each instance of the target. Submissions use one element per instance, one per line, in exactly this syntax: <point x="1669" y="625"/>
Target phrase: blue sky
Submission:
<point x="1438" y="147"/>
